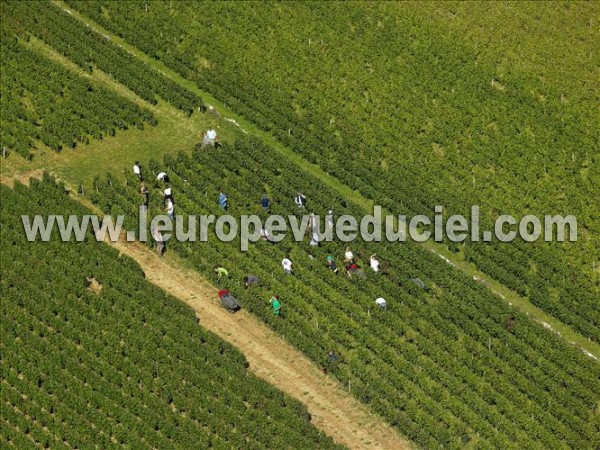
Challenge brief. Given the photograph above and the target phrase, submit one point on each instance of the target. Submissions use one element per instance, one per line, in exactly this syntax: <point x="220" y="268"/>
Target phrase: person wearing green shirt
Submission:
<point x="221" y="271"/>
<point x="276" y="304"/>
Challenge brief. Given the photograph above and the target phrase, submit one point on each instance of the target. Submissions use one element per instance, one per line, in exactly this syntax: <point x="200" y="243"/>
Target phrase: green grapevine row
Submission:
<point x="397" y="110"/>
<point x="44" y="102"/>
<point x="123" y="366"/>
<point x="90" y="50"/>
<point x="439" y="365"/>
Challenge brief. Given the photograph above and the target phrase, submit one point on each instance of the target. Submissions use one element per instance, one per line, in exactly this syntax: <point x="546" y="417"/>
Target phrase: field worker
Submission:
<point x="160" y="242"/>
<point x="332" y="361"/>
<point x="332" y="357"/>
<point x="144" y="192"/>
<point x="266" y="236"/>
<point x="221" y="271"/>
<point x="209" y="137"/>
<point x="228" y="301"/>
<point x="223" y="201"/>
<point x="329" y="220"/>
<point x="314" y="234"/>
<point x="348" y="256"/>
<point x="250" y="280"/>
<point x="204" y="139"/>
<point x="287" y="265"/>
<point x="510" y="323"/>
<point x="419" y="283"/>
<point x="353" y="269"/>
<point x="137" y="170"/>
<point x="331" y="264"/>
<point x="211" y="134"/>
<point x="168" y="193"/>
<point x="300" y="200"/>
<point x="374" y="263"/>
<point x="381" y="303"/>
<point x="264" y="202"/>
<point x="276" y="305"/>
<point x="170" y="209"/>
<point x="162" y="177"/>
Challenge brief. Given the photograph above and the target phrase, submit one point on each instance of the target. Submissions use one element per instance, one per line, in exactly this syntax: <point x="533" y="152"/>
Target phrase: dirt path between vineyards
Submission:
<point x="22" y="178"/>
<point x="333" y="410"/>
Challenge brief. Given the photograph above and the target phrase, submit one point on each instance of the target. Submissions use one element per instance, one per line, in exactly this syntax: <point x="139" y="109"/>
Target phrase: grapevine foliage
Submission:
<point x="440" y="365"/>
<point x="410" y="117"/>
<point x="44" y="102"/>
<point x="124" y="365"/>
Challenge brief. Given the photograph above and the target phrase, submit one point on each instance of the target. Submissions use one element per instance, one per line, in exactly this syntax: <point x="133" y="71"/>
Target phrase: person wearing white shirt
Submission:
<point x="381" y="302"/>
<point x="287" y="265"/>
<point x="160" y="241"/>
<point x="210" y="137"/>
<point x="374" y="263"/>
<point x="314" y="239"/>
<point x="329" y="220"/>
<point x="170" y="209"/>
<point x="168" y="194"/>
<point x="300" y="200"/>
<point x="314" y="225"/>
<point x="348" y="256"/>
<point x="266" y="236"/>
<point x="137" y="170"/>
<point x="162" y="177"/>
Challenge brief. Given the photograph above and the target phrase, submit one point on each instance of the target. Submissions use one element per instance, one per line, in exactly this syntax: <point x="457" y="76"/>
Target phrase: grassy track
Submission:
<point x="176" y="132"/>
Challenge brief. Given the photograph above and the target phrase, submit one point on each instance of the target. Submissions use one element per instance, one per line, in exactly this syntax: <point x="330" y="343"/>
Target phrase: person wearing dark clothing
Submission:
<point x="332" y="356"/>
<point x="145" y="193"/>
<point x="332" y="361"/>
<point x="331" y="264"/>
<point x="228" y="301"/>
<point x="251" y="280"/>
<point x="264" y="203"/>
<point x="352" y="269"/>
<point x="510" y="323"/>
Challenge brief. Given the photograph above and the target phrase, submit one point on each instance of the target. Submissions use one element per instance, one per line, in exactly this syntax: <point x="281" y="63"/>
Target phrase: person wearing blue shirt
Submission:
<point x="223" y="200"/>
<point x="264" y="202"/>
